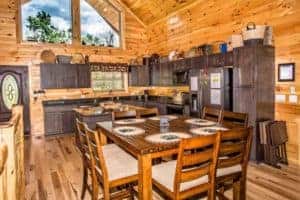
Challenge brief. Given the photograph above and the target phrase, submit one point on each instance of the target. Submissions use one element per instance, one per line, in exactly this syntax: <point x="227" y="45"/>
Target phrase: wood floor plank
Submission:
<point x="54" y="171"/>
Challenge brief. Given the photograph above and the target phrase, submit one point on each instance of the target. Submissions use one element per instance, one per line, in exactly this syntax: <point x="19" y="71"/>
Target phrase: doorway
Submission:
<point x="14" y="90"/>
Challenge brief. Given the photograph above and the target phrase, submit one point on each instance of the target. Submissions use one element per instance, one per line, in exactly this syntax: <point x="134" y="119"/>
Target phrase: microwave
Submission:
<point x="181" y="77"/>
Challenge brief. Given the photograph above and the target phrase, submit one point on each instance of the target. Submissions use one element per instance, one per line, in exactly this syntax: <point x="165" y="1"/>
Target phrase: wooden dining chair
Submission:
<point x="117" y="115"/>
<point x="3" y="156"/>
<point x="234" y="119"/>
<point x="82" y="145"/>
<point x="112" y="168"/>
<point x="147" y="112"/>
<point x="233" y="161"/>
<point x="212" y="114"/>
<point x="192" y="173"/>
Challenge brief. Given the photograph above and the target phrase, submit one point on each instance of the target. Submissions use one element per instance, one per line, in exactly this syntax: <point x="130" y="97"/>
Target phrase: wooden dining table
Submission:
<point x="145" y="151"/>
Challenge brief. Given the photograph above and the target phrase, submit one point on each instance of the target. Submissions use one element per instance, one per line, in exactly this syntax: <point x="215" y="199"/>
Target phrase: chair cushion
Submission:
<point x="119" y="163"/>
<point x="229" y="170"/>
<point x="165" y="174"/>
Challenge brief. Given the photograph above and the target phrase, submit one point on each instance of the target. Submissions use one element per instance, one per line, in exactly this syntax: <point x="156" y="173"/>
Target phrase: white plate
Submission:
<point x="169" y="137"/>
<point x="170" y="117"/>
<point x="128" y="130"/>
<point x="200" y="122"/>
<point x="129" y="121"/>
<point x="207" y="130"/>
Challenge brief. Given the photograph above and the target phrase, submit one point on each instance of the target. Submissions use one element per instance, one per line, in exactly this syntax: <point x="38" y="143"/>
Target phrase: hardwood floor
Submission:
<point x="53" y="171"/>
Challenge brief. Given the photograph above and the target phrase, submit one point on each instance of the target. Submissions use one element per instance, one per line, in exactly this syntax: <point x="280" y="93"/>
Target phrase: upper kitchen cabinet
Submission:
<point x="59" y="76"/>
<point x="139" y="76"/>
<point x="84" y="75"/>
<point x="166" y="74"/>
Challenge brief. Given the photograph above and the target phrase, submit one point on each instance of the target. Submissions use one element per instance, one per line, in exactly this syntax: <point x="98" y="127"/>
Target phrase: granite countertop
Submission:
<point x="98" y="110"/>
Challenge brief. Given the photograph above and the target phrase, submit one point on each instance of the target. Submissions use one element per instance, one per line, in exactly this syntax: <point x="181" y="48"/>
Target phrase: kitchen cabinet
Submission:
<point x="84" y="76"/>
<point x="139" y="76"/>
<point x="166" y="74"/>
<point x="59" y="119"/>
<point x="59" y="76"/>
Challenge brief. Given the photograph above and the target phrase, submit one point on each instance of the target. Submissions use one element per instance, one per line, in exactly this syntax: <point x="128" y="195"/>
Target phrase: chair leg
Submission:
<point x="131" y="190"/>
<point x="84" y="182"/>
<point x="239" y="190"/>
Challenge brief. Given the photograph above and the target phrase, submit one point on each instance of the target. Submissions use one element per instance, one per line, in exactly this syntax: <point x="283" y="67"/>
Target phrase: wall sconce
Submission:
<point x="38" y="93"/>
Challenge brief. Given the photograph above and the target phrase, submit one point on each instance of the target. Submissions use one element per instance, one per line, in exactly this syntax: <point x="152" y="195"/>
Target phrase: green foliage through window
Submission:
<point x="47" y="21"/>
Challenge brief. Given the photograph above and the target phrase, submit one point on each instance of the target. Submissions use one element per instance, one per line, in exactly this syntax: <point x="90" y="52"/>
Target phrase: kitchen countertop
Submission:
<point x="97" y="111"/>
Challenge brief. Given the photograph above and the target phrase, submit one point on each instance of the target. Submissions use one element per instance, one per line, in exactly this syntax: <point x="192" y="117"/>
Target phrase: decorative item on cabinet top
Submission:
<point x="109" y="67"/>
<point x="48" y="56"/>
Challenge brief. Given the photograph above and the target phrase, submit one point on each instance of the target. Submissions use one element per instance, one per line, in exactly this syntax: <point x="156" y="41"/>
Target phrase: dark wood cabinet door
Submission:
<point x="155" y="74"/>
<point x="143" y="75"/>
<point x="49" y="78"/>
<point x="68" y="76"/>
<point x="53" y="123"/>
<point x="84" y="76"/>
<point x="244" y="66"/>
<point x="133" y="76"/>
<point x="68" y="119"/>
<point x="166" y="73"/>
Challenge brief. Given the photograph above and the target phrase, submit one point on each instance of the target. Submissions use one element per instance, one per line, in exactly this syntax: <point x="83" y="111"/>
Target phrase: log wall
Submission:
<point x="13" y="52"/>
<point x="215" y="20"/>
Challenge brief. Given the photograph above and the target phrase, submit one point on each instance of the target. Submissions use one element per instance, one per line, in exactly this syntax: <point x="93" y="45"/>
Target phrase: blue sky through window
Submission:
<point x="93" y="24"/>
<point x="94" y="29"/>
<point x="59" y="10"/>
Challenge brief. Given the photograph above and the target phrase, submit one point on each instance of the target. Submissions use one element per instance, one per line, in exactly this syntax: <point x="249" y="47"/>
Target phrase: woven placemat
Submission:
<point x="200" y="122"/>
<point x="129" y="121"/>
<point x="128" y="130"/>
<point x="169" y="137"/>
<point x="207" y="130"/>
<point x="170" y="117"/>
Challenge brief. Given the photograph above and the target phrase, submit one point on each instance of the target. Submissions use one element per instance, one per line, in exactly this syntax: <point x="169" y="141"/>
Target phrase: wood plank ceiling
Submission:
<point x="149" y="11"/>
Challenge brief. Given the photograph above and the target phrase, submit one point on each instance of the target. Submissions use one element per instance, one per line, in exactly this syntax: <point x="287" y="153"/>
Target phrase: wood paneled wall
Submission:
<point x="215" y="20"/>
<point x="14" y="53"/>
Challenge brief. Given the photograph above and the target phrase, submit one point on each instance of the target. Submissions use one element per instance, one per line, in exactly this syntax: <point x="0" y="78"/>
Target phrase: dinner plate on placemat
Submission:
<point x="207" y="130"/>
<point x="200" y="122"/>
<point x="128" y="130"/>
<point x="169" y="117"/>
<point x="168" y="137"/>
<point x="129" y="121"/>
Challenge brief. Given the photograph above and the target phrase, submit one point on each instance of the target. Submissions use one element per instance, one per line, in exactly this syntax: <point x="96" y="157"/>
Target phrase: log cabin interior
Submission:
<point x="154" y="99"/>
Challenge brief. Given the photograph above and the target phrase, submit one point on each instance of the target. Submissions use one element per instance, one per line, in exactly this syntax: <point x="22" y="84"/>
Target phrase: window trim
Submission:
<point x="76" y="28"/>
<point x="125" y="82"/>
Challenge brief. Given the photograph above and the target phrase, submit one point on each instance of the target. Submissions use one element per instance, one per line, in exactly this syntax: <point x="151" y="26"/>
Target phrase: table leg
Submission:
<point x="145" y="177"/>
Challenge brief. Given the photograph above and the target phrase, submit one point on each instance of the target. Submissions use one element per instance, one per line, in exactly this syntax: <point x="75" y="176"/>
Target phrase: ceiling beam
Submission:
<point x="132" y="13"/>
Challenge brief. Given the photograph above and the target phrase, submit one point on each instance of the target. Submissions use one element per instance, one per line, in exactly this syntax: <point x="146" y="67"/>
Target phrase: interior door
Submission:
<point x="14" y="90"/>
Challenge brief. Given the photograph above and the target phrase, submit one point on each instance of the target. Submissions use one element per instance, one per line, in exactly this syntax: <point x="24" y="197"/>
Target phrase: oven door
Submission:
<point x="175" y="109"/>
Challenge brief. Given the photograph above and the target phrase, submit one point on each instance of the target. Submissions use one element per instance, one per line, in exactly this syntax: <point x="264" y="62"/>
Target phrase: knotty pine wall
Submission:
<point x="14" y="53"/>
<point x="215" y="20"/>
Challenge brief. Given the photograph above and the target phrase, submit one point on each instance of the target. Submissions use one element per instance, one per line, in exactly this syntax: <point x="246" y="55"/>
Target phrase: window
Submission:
<point x="47" y="21"/>
<point x="100" y="24"/>
<point x="105" y="81"/>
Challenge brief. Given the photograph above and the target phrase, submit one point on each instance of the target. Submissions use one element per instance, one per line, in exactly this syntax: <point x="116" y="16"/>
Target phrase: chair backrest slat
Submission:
<point x="96" y="154"/>
<point x="191" y="166"/>
<point x="196" y="158"/>
<point x="124" y="114"/>
<point x="213" y="114"/>
<point x="81" y="136"/>
<point x="149" y="112"/>
<point x="235" y="147"/>
<point x="235" y="119"/>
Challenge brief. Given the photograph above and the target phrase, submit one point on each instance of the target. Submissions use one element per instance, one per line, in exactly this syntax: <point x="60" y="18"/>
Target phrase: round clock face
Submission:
<point x="10" y="91"/>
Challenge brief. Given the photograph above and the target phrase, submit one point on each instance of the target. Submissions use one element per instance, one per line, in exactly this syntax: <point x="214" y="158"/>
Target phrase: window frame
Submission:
<point x="75" y="25"/>
<point x="124" y="80"/>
